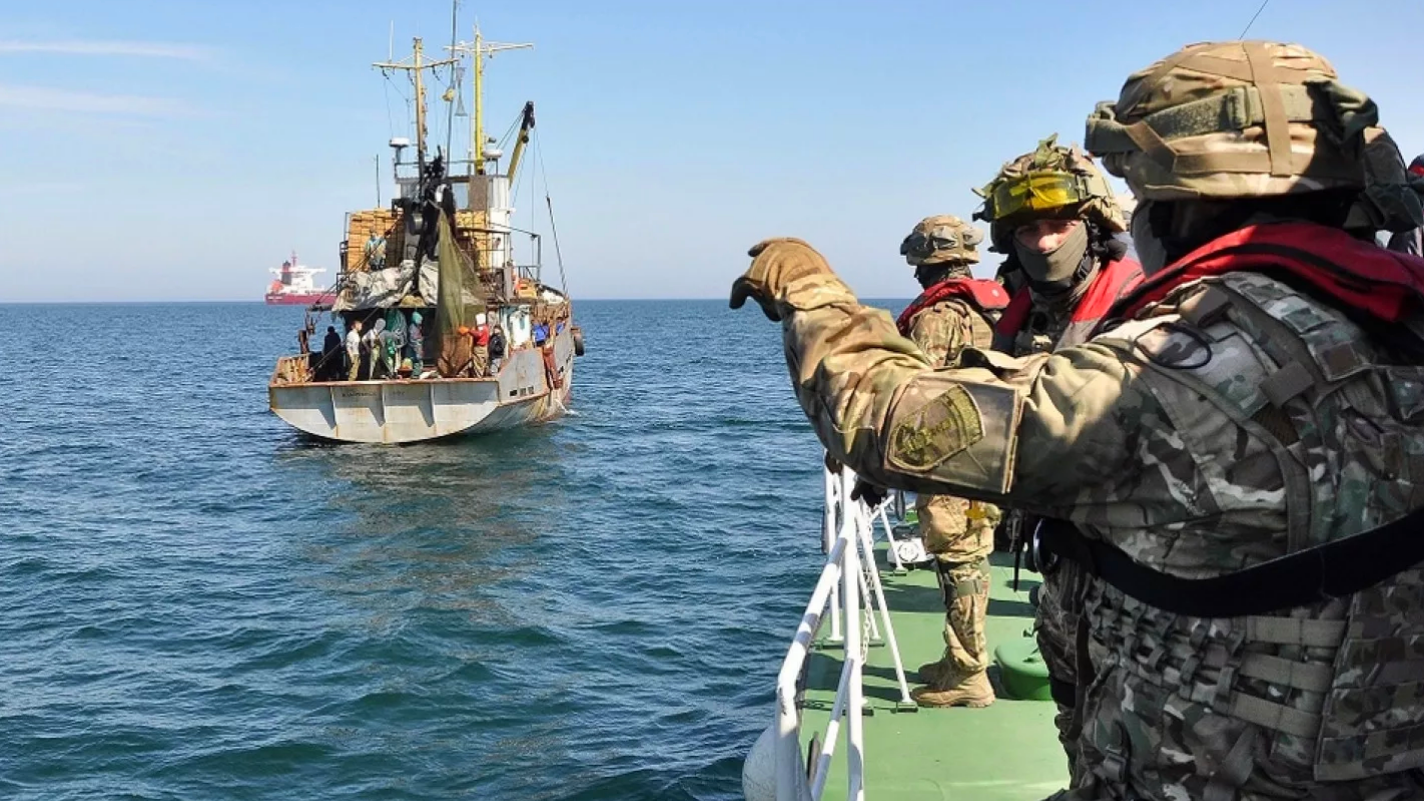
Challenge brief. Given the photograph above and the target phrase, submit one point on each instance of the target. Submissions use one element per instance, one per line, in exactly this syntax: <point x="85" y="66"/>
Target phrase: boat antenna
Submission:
<point x="1244" y="31"/>
<point x="378" y="180"/>
<point x="454" y="81"/>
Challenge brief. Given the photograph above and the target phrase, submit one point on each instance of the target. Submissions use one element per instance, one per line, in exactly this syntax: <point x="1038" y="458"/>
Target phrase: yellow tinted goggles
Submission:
<point x="1037" y="191"/>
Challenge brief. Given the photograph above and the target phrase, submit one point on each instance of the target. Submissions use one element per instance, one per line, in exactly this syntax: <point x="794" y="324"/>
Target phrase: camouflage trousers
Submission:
<point x="1056" y="630"/>
<point x="960" y="535"/>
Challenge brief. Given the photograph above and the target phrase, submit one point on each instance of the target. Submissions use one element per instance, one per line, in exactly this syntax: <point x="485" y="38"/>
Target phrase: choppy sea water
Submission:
<point x="198" y="603"/>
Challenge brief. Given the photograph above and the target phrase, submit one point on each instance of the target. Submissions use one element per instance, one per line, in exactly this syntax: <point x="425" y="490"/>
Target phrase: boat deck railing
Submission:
<point x="849" y="589"/>
<point x="292" y="370"/>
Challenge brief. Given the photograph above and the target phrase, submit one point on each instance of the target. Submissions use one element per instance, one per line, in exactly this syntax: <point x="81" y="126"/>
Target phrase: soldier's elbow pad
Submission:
<point x="949" y="428"/>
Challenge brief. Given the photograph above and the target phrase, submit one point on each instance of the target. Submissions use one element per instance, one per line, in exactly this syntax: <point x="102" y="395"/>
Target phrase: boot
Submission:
<point x="973" y="691"/>
<point x="940" y="672"/>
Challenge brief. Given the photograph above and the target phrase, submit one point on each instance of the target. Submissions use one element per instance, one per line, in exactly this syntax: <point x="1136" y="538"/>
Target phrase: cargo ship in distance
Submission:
<point x="294" y="285"/>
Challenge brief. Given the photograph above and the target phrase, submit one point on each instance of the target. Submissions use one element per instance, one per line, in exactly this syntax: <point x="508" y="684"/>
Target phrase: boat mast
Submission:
<point x="478" y="51"/>
<point x="477" y="141"/>
<point x="415" y="68"/>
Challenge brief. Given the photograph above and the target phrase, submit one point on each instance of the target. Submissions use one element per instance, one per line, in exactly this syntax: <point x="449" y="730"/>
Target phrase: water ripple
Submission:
<point x="201" y="604"/>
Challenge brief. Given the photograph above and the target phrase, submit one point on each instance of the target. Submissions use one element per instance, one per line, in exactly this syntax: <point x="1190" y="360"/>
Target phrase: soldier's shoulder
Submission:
<point x="1232" y="331"/>
<point x="950" y="309"/>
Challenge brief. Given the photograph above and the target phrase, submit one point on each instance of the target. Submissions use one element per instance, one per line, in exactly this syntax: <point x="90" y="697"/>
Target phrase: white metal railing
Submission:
<point x="850" y="586"/>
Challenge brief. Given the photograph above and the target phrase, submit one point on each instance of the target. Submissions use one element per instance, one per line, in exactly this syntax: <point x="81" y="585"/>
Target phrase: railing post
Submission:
<point x="850" y="596"/>
<point x="867" y="546"/>
<point x="836" y="500"/>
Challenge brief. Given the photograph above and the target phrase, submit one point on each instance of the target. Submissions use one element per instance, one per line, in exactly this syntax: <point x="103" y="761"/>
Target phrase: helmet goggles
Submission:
<point x="1040" y="191"/>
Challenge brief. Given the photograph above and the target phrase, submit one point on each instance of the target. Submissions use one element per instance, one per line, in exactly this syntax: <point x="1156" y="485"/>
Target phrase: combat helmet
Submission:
<point x="1051" y="182"/>
<point x="942" y="239"/>
<point x="1222" y="120"/>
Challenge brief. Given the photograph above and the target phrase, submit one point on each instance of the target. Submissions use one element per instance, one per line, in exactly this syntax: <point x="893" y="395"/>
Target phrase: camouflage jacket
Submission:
<point x="957" y="529"/>
<point x="1233" y="421"/>
<point x="948" y="327"/>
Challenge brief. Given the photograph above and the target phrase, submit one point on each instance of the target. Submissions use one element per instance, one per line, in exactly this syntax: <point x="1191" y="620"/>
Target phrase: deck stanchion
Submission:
<point x="854" y="696"/>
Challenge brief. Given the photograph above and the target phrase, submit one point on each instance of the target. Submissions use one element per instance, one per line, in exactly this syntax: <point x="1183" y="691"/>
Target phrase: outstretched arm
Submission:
<point x="1044" y="433"/>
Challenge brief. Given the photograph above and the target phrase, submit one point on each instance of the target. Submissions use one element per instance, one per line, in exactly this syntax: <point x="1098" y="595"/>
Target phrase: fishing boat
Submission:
<point x="876" y="608"/>
<point x="428" y="285"/>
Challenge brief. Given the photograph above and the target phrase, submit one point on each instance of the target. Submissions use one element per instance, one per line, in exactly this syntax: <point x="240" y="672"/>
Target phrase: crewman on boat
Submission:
<point x="480" y="352"/>
<point x="496" y="348"/>
<point x="374" y="347"/>
<point x="1053" y="215"/>
<point x="329" y="366"/>
<point x="353" y="351"/>
<point x="954" y="311"/>
<point x="392" y="341"/>
<point x="415" y="344"/>
<point x="376" y="251"/>
<point x="1235" y="457"/>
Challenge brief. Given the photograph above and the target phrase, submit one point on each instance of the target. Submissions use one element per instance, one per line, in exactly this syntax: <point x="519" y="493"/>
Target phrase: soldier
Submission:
<point x="1239" y="464"/>
<point x="954" y="311"/>
<point x="1055" y="217"/>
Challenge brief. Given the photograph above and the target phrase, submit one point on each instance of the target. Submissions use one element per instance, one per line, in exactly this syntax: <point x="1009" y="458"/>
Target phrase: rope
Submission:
<point x="390" y="119"/>
<point x="508" y="132"/>
<point x="402" y="95"/>
<point x="553" y="228"/>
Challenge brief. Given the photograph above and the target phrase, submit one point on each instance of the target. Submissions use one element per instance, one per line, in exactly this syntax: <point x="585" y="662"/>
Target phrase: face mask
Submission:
<point x="1057" y="266"/>
<point x="1150" y="252"/>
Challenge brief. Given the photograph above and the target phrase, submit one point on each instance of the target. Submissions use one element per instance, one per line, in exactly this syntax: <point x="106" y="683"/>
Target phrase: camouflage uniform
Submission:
<point x="1233" y="419"/>
<point x="958" y="532"/>
<point x="1052" y="320"/>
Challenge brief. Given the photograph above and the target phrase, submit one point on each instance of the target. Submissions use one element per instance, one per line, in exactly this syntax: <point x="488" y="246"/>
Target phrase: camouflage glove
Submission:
<point x="775" y="264"/>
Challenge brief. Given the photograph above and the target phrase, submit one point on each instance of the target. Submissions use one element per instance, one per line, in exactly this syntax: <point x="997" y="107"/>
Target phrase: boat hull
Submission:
<point x="404" y="411"/>
<point x="299" y="298"/>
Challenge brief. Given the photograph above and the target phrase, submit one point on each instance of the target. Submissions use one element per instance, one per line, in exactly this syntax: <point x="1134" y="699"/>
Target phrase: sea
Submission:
<point x="199" y="603"/>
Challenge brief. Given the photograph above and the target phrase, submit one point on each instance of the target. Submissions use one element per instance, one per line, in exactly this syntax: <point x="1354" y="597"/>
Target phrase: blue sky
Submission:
<point x="176" y="150"/>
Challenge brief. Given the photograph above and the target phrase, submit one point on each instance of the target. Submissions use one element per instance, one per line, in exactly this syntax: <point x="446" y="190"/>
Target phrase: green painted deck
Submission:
<point x="1008" y="750"/>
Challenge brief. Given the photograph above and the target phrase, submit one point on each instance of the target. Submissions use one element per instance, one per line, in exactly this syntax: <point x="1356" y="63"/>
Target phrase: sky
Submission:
<point x="161" y="151"/>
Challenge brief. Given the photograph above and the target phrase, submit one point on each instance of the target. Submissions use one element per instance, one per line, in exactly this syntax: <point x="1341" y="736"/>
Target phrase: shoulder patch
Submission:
<point x="946" y="425"/>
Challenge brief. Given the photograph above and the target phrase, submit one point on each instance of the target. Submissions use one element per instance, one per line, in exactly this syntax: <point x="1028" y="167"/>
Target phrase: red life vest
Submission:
<point x="482" y="335"/>
<point x="1359" y="275"/>
<point x="1113" y="280"/>
<point x="986" y="295"/>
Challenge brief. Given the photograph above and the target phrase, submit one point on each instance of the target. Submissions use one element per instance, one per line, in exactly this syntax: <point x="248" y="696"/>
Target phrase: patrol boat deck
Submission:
<point x="894" y="750"/>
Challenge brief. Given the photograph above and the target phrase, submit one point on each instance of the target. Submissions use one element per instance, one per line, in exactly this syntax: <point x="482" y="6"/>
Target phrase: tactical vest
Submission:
<point x="1336" y="682"/>
<point x="1112" y="281"/>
